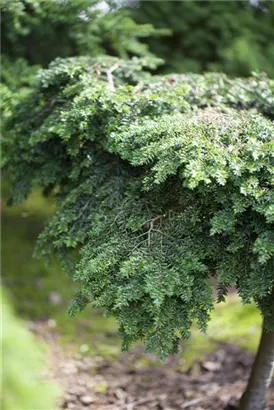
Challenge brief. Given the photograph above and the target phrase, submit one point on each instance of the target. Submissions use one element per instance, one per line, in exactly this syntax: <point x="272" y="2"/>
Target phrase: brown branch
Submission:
<point x="110" y="76"/>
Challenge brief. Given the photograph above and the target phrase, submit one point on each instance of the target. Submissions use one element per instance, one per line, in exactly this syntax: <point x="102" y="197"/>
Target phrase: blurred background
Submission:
<point x="234" y="37"/>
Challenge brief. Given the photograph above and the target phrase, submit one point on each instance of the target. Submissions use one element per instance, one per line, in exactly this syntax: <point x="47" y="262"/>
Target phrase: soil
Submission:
<point x="94" y="383"/>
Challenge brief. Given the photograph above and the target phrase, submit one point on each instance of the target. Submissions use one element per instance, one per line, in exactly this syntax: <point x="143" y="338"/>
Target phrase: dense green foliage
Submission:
<point x="39" y="30"/>
<point x="31" y="282"/>
<point x="17" y="80"/>
<point x="231" y="37"/>
<point x="23" y="364"/>
<point x="34" y="32"/>
<point x="235" y="37"/>
<point x="161" y="183"/>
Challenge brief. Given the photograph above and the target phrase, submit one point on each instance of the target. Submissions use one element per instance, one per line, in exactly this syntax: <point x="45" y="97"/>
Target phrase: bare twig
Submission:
<point x="158" y="230"/>
<point x="110" y="76"/>
<point x="151" y="224"/>
<point x="80" y="214"/>
<point x="140" y="236"/>
<point x="191" y="403"/>
<point x="83" y="209"/>
<point x="49" y="107"/>
<point x="152" y="220"/>
<point x="131" y="406"/>
<point x="56" y="101"/>
<point x="140" y="243"/>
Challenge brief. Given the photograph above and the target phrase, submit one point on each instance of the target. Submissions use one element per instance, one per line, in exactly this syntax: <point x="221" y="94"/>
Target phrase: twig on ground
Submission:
<point x="131" y="406"/>
<point x="191" y="403"/>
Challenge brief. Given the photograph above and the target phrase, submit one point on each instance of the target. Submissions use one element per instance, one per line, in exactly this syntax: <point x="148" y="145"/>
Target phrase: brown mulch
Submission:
<point x="93" y="383"/>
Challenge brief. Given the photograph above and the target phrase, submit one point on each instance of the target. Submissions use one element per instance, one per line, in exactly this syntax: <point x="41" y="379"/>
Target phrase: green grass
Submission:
<point x="30" y="281"/>
<point x="235" y="323"/>
<point x="30" y="284"/>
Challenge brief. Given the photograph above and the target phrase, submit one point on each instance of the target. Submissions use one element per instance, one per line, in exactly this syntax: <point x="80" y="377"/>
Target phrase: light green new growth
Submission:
<point x="161" y="183"/>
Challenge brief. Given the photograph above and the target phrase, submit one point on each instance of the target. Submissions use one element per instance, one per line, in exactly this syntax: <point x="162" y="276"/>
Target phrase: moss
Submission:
<point x="100" y="388"/>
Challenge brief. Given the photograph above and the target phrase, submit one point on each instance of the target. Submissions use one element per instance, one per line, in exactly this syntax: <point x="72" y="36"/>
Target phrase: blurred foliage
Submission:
<point x="35" y="32"/>
<point x="234" y="37"/>
<point x="39" y="30"/>
<point x="17" y="79"/>
<point x="23" y="365"/>
<point x="160" y="182"/>
<point x="19" y="75"/>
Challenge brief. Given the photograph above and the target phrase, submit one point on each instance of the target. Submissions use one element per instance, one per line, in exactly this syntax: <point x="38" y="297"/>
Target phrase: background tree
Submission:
<point x="83" y="27"/>
<point x="234" y="37"/>
<point x="161" y="183"/>
<point x="35" y="32"/>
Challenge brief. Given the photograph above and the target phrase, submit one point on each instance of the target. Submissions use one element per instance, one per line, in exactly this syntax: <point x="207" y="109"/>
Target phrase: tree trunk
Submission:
<point x="255" y="395"/>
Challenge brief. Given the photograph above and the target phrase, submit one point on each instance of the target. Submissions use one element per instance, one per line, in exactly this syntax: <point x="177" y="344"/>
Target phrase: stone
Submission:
<point x="86" y="400"/>
<point x="211" y="366"/>
<point x="54" y="298"/>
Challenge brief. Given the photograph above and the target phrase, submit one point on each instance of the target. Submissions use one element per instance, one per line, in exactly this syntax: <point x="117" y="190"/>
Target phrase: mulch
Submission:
<point x="215" y="382"/>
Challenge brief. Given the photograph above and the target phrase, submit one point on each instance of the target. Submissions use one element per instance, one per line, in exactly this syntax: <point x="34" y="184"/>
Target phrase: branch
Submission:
<point x="151" y="224"/>
<point x="110" y="76"/>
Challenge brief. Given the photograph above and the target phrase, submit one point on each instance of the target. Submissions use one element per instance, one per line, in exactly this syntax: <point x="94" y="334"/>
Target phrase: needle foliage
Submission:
<point x="234" y="37"/>
<point x="39" y="31"/>
<point x="161" y="183"/>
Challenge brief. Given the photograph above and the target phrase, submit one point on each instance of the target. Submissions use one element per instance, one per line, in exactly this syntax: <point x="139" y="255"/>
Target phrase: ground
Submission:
<point x="135" y="380"/>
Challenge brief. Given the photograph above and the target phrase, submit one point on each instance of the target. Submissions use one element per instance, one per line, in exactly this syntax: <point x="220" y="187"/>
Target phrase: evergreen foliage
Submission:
<point x="35" y="32"/>
<point x="39" y="31"/>
<point x="235" y="37"/>
<point x="17" y="79"/>
<point x="161" y="183"/>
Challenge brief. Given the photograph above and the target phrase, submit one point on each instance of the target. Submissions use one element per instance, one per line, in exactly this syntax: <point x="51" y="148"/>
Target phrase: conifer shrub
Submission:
<point x="39" y="31"/>
<point x="234" y="37"/>
<point x="161" y="183"/>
